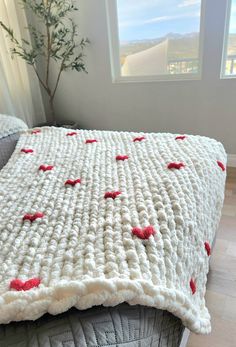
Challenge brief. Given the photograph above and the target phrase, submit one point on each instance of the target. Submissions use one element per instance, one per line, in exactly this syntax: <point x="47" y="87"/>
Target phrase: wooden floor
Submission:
<point x="221" y="287"/>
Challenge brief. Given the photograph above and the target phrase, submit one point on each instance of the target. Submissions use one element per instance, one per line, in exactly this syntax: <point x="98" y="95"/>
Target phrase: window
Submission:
<point x="229" y="58"/>
<point x="155" y="38"/>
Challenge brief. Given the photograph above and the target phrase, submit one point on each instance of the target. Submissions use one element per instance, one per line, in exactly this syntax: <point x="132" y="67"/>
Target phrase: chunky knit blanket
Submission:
<point x="102" y="217"/>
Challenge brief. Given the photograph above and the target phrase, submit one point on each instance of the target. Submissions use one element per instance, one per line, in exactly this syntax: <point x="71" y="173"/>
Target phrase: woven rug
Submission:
<point x="101" y="217"/>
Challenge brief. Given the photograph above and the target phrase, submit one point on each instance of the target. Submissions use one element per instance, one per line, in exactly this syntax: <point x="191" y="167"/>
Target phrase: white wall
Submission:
<point x="206" y="107"/>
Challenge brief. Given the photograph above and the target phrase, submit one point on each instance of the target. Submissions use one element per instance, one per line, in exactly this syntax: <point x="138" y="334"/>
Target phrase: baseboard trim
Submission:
<point x="231" y="160"/>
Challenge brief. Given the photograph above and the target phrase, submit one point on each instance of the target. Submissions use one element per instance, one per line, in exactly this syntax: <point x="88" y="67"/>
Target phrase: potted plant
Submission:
<point x="54" y="37"/>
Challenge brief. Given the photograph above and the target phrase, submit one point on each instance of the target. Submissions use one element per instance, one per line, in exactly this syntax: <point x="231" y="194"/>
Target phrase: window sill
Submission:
<point x="227" y="77"/>
<point x="159" y="78"/>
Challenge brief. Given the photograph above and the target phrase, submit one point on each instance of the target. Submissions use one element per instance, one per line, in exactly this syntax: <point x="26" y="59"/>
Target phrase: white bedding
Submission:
<point x="10" y="125"/>
<point x="85" y="223"/>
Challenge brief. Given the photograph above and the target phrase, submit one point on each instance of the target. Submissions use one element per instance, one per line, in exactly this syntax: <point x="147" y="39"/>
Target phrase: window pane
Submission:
<point x="159" y="37"/>
<point x="230" y="63"/>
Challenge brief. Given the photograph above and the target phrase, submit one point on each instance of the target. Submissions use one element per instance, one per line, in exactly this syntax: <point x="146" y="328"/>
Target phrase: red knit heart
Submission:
<point x="46" y="167"/>
<point x="193" y="286"/>
<point x="175" y="166"/>
<point x="112" y="195"/>
<point x="72" y="133"/>
<point x="221" y="165"/>
<point x="24" y="150"/>
<point x="36" y="131"/>
<point x="144" y="233"/>
<point x="72" y="182"/>
<point x="181" y="137"/>
<point x="138" y="139"/>
<point x="207" y="248"/>
<point x="27" y="285"/>
<point x="91" y="141"/>
<point x="33" y="217"/>
<point x="122" y="157"/>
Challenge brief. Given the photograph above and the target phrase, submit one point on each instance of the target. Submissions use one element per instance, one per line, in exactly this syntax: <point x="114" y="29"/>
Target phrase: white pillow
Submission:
<point x="10" y="125"/>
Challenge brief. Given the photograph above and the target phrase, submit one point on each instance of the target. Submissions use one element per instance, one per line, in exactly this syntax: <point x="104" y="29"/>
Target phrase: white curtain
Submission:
<point x="20" y="93"/>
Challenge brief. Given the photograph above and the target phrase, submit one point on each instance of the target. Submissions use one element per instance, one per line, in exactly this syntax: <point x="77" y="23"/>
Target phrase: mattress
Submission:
<point x="119" y="326"/>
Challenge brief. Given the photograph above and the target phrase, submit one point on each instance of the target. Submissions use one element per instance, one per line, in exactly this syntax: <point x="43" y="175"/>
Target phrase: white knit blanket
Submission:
<point x="85" y="223"/>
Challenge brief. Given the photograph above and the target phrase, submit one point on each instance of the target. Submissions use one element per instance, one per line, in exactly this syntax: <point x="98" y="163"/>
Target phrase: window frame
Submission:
<point x="226" y="42"/>
<point x="114" y="47"/>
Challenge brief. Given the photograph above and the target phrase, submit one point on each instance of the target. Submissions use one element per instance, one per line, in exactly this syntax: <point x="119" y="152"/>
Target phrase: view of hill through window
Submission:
<point x="159" y="36"/>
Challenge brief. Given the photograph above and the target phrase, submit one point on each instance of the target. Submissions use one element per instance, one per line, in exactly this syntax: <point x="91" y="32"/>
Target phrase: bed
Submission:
<point x="122" y="325"/>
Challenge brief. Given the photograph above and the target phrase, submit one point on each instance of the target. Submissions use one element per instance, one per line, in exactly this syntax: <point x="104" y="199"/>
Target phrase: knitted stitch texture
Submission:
<point x="92" y="228"/>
